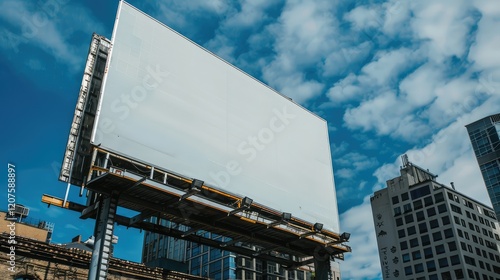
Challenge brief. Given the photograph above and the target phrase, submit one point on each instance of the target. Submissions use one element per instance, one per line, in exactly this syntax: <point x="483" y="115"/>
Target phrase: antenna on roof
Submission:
<point x="404" y="159"/>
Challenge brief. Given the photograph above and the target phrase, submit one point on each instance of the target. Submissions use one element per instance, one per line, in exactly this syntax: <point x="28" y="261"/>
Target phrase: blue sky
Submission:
<point x="390" y="77"/>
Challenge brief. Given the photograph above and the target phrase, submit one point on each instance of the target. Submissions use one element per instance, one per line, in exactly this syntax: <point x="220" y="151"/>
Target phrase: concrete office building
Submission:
<point x="484" y="135"/>
<point x="428" y="231"/>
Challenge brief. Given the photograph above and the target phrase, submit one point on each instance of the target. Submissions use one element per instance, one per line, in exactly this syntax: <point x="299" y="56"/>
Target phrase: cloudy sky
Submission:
<point x="390" y="77"/>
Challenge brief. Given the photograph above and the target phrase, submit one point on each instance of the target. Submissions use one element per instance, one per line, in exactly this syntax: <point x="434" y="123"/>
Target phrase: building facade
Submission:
<point x="25" y="226"/>
<point x="484" y="135"/>
<point x="33" y="259"/>
<point x="428" y="231"/>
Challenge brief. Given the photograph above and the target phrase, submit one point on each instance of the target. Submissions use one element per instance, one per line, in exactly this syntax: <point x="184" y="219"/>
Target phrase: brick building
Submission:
<point x="38" y="260"/>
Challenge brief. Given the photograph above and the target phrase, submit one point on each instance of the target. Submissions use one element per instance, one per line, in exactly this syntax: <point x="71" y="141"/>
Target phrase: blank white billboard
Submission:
<point x="172" y="104"/>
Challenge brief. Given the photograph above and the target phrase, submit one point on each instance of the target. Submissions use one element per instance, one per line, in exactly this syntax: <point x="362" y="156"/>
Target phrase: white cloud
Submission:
<point x="386" y="66"/>
<point x="71" y="226"/>
<point x="445" y="25"/>
<point x="304" y="36"/>
<point x="45" y="26"/>
<point x="418" y="87"/>
<point x="363" y="262"/>
<point x="449" y="155"/>
<point x="484" y="53"/>
<point x="387" y="114"/>
<point x="344" y="90"/>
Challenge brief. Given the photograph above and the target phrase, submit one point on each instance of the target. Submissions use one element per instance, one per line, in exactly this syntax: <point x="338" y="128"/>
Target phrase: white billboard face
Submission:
<point x="172" y="104"/>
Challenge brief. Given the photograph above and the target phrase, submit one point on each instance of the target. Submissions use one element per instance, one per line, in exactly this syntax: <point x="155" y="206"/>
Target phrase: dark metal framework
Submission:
<point x="255" y="229"/>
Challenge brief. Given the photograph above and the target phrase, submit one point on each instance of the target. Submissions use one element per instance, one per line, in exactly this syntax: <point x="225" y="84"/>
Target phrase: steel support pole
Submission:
<point x="322" y="268"/>
<point x="103" y="236"/>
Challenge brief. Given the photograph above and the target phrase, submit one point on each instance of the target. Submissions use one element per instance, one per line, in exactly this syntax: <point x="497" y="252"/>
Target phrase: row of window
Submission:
<point x="429" y="252"/>
<point x="479" y="252"/>
<point x="418" y="193"/>
<point x="469" y="204"/>
<point x="431" y="265"/>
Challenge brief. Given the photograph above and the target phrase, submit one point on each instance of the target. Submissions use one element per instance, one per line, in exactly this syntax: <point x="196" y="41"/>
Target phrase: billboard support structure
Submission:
<point x="103" y="235"/>
<point x="216" y="155"/>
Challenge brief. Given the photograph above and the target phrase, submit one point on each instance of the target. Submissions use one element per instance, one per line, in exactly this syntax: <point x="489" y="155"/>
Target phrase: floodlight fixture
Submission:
<point x="285" y="218"/>
<point x="196" y="185"/>
<point x="246" y="202"/>
<point x="318" y="227"/>
<point x="194" y="188"/>
<point x="344" y="237"/>
<point x="243" y="204"/>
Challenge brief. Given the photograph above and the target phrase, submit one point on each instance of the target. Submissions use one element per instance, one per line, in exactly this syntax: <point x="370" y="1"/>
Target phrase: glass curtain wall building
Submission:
<point x="484" y="136"/>
<point x="214" y="263"/>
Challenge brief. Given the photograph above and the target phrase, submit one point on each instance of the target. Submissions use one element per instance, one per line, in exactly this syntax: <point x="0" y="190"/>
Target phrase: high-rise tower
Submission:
<point x="484" y="135"/>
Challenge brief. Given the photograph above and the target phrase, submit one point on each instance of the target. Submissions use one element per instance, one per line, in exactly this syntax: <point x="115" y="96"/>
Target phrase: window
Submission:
<point x="416" y="255"/>
<point x="438" y="197"/>
<point x="409" y="218"/>
<point x="408" y="270"/>
<point x="445" y="220"/>
<point x="428" y="201"/>
<point x="419" y="268"/>
<point x="443" y="262"/>
<point x="417" y="204"/>
<point x="428" y="253"/>
<point x="434" y="223"/>
<point x="425" y="239"/>
<point x="407" y="208"/>
<point x="441" y="208"/>
<point x="431" y="266"/>
<point x="422" y="227"/>
<point x="436" y="236"/>
<point x="431" y="211"/>
<point x="403" y="245"/>
<point x="404" y="196"/>
<point x="446" y="275"/>
<point x="452" y="246"/>
<point x="459" y="274"/>
<point x="448" y="233"/>
<point x="397" y="211"/>
<point x="395" y="199"/>
<point x="420" y="192"/>
<point x="399" y="222"/>
<point x="456" y="209"/>
<point x="420" y="216"/>
<point x="25" y="277"/>
<point x="406" y="257"/>
<point x="401" y="233"/>
<point x="411" y="230"/>
<point x="440" y="249"/>
<point x="413" y="242"/>
<point x="469" y="260"/>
